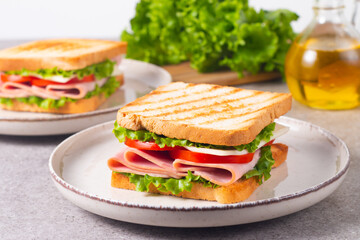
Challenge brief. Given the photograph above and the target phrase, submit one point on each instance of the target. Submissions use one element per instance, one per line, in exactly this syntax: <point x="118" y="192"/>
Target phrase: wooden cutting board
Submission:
<point x="184" y="73"/>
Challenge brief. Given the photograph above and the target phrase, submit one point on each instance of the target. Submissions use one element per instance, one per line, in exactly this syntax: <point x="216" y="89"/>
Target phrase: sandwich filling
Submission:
<point x="53" y="88"/>
<point x="174" y="164"/>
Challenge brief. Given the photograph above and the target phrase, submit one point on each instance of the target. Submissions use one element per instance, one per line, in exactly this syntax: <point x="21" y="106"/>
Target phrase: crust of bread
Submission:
<point x="80" y="106"/>
<point x="236" y="192"/>
<point x="189" y="111"/>
<point x="65" y="54"/>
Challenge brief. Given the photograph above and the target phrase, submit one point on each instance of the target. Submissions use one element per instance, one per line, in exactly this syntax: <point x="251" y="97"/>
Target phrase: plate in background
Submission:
<point x="316" y="165"/>
<point x="140" y="79"/>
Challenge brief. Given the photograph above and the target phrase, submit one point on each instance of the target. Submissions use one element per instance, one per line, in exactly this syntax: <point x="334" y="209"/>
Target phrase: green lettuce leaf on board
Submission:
<point x="212" y="35"/>
<point x="145" y="136"/>
<point x="155" y="33"/>
<point x="100" y="70"/>
<point x="107" y="89"/>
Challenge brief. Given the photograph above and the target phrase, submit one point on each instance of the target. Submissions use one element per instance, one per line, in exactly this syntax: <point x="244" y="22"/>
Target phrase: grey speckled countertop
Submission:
<point x="32" y="208"/>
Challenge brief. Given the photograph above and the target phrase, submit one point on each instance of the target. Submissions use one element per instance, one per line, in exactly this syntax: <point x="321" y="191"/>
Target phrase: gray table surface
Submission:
<point x="32" y="208"/>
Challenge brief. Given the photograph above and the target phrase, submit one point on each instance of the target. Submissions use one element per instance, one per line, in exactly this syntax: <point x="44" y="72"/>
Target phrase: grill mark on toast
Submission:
<point x="212" y="112"/>
<point x="166" y="99"/>
<point x="234" y="116"/>
<point x="51" y="46"/>
<point x="184" y="95"/>
<point x="242" y="114"/>
<point x="245" y="121"/>
<point x="58" y="48"/>
<point x="200" y="107"/>
<point x="155" y="92"/>
<point x="164" y="91"/>
<point x="138" y="102"/>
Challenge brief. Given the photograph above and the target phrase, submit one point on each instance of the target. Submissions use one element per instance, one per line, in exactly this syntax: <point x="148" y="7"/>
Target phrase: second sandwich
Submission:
<point x="60" y="75"/>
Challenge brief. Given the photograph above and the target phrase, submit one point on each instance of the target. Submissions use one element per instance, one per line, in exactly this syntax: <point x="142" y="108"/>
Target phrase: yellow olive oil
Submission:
<point x="324" y="72"/>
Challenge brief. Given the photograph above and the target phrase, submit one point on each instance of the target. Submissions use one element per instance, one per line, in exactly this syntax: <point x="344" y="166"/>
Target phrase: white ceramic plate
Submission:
<point x="140" y="79"/>
<point x="316" y="165"/>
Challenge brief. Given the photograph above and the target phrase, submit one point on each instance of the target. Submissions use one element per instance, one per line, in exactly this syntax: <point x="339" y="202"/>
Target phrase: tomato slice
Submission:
<point x="209" y="158"/>
<point x="88" y="78"/>
<point x="14" y="78"/>
<point x="43" y="83"/>
<point x="145" y="145"/>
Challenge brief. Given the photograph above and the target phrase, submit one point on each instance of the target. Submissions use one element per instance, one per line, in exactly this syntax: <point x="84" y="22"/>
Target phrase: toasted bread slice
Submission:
<point x="80" y="106"/>
<point x="65" y="54"/>
<point x="205" y="113"/>
<point x="236" y="192"/>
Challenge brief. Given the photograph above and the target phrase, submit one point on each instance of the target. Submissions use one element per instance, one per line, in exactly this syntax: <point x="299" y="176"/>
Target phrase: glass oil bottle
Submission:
<point x="322" y="67"/>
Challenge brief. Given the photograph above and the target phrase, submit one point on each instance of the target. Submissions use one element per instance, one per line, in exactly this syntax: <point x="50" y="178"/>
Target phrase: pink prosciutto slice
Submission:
<point x="132" y="160"/>
<point x="144" y="162"/>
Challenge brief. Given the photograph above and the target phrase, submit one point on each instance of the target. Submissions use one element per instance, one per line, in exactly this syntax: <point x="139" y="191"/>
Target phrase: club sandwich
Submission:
<point x="199" y="141"/>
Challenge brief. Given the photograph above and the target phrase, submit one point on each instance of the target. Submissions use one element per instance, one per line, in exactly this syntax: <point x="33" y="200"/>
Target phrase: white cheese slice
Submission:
<point x="117" y="71"/>
<point x="55" y="78"/>
<point x="60" y="79"/>
<point x="279" y="130"/>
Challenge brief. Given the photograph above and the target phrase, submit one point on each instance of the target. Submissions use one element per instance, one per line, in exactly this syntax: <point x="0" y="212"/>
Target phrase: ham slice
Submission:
<point x="41" y="92"/>
<point x="222" y="174"/>
<point x="18" y="94"/>
<point x="159" y="163"/>
<point x="117" y="166"/>
<point x="117" y="59"/>
<point x="13" y="89"/>
<point x="75" y="91"/>
<point x="145" y="162"/>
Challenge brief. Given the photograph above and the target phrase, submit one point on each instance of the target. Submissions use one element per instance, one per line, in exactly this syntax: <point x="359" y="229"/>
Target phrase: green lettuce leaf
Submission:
<point x="100" y="71"/>
<point x="265" y="135"/>
<point x="107" y="89"/>
<point x="173" y="185"/>
<point x="263" y="167"/>
<point x="212" y="35"/>
<point x="146" y="136"/>
<point x="6" y="101"/>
